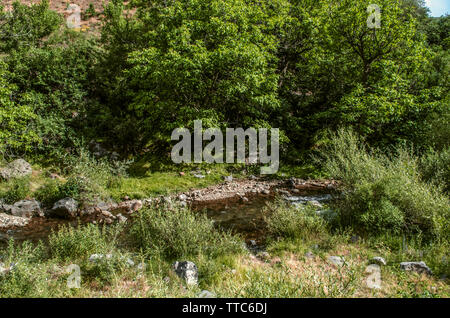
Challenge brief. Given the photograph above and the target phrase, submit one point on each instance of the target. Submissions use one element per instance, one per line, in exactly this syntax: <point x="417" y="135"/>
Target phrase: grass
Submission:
<point x="85" y="178"/>
<point x="175" y="232"/>
<point x="160" y="236"/>
<point x="380" y="192"/>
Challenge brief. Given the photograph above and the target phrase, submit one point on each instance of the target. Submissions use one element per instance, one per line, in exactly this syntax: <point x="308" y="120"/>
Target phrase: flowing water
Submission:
<point x="243" y="217"/>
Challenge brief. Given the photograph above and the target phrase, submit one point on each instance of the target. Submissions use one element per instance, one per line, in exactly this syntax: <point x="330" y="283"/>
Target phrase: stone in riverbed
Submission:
<point x="26" y="209"/>
<point x="7" y="221"/>
<point x="5" y="208"/>
<point x="64" y="208"/>
<point x="16" y="169"/>
<point x="187" y="271"/>
<point x="419" y="267"/>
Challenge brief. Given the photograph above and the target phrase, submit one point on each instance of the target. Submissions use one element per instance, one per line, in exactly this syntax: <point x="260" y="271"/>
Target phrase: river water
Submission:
<point x="243" y="217"/>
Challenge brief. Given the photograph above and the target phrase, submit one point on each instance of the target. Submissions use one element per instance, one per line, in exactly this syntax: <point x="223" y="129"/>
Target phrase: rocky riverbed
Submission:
<point x="243" y="198"/>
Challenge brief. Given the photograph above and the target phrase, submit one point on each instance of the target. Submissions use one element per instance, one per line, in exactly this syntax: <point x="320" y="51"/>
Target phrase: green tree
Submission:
<point x="210" y="60"/>
<point x="16" y="133"/>
<point x="374" y="79"/>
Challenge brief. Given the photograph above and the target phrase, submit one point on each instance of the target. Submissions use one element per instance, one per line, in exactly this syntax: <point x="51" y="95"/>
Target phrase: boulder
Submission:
<point x="3" y="269"/>
<point x="187" y="271"/>
<point x="5" y="208"/>
<point x="419" y="267"/>
<point x="27" y="209"/>
<point x="127" y="207"/>
<point x="16" y="169"/>
<point x="65" y="208"/>
<point x="7" y="221"/>
<point x="182" y="197"/>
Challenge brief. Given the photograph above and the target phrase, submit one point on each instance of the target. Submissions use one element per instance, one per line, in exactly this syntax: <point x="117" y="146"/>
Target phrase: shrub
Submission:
<point x="384" y="193"/>
<point x="26" y="25"/>
<point x="53" y="80"/>
<point x="27" y="278"/>
<point x="435" y="168"/>
<point x="89" y="178"/>
<point x="292" y="222"/>
<point x="180" y="232"/>
<point x="15" y="118"/>
<point x="49" y="193"/>
<point x="17" y="189"/>
<point x="70" y="243"/>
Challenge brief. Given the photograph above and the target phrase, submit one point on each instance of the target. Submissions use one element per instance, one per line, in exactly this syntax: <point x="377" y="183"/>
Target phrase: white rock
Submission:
<point x="336" y="260"/>
<point x="419" y="267"/>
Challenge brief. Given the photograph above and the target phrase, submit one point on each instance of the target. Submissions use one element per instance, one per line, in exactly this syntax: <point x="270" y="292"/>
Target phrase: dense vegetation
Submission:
<point x="367" y="107"/>
<point x="302" y="66"/>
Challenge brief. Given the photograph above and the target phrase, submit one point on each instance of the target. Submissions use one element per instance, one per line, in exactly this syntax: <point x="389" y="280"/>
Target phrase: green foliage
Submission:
<point x="90" y="179"/>
<point x="15" y="118"/>
<point x="27" y="279"/>
<point x="199" y="60"/>
<point x="53" y="80"/>
<point x="287" y="221"/>
<point x="90" y="12"/>
<point x="26" y="26"/>
<point x="384" y="194"/>
<point x="69" y="243"/>
<point x="336" y="71"/>
<point x="178" y="232"/>
<point x="435" y="168"/>
<point x="16" y="189"/>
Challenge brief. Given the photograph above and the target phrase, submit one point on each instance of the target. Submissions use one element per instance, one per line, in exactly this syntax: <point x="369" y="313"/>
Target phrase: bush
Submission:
<point x="15" y="118"/>
<point x="26" y="25"/>
<point x="180" y="232"/>
<point x="27" y="278"/>
<point x="49" y="193"/>
<point x="435" y="168"/>
<point x="53" y="80"/>
<point x="17" y="189"/>
<point x="70" y="243"/>
<point x="384" y="193"/>
<point x="288" y="221"/>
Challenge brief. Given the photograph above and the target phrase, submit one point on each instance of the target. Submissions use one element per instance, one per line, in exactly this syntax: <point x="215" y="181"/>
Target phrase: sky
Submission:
<point x="438" y="7"/>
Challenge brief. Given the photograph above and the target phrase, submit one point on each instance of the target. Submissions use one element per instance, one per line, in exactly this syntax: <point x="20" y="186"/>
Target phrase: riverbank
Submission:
<point x="138" y="261"/>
